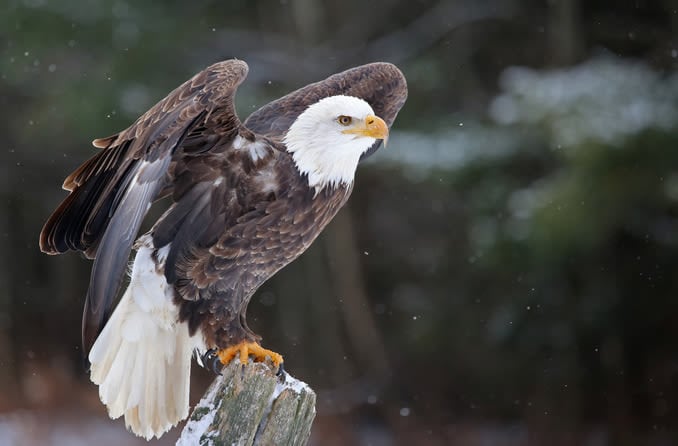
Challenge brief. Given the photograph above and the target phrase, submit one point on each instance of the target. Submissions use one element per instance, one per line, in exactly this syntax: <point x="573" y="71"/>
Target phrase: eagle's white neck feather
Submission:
<point x="318" y="145"/>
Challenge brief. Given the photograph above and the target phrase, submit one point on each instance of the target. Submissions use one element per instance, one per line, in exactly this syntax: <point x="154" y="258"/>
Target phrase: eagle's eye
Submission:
<point x="344" y="120"/>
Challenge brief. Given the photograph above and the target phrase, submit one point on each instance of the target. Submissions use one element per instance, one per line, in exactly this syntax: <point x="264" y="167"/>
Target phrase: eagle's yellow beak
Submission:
<point x="372" y="126"/>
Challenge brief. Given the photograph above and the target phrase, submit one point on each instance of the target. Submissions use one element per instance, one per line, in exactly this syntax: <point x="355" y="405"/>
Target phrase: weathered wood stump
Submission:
<point x="250" y="405"/>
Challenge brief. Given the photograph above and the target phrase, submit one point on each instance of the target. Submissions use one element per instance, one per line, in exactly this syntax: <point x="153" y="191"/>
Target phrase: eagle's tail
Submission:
<point x="141" y="361"/>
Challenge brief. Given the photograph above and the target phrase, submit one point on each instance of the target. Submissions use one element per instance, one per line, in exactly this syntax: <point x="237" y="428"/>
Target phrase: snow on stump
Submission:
<point x="250" y="405"/>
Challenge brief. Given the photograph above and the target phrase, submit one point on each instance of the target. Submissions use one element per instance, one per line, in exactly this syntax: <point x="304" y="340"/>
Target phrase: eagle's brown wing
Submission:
<point x="111" y="192"/>
<point x="381" y="84"/>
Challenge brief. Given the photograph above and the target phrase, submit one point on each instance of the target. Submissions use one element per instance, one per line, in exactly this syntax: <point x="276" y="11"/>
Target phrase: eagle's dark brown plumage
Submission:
<point x="241" y="209"/>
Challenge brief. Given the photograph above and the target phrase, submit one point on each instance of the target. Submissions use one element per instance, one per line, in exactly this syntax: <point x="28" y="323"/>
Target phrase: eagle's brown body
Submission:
<point x="240" y="211"/>
<point x="269" y="217"/>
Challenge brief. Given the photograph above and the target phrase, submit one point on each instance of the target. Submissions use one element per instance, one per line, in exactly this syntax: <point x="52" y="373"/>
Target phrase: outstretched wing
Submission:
<point x="112" y="192"/>
<point x="381" y="84"/>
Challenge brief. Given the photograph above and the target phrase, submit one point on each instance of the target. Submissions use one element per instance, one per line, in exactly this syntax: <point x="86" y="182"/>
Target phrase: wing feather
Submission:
<point x="111" y="192"/>
<point x="115" y="246"/>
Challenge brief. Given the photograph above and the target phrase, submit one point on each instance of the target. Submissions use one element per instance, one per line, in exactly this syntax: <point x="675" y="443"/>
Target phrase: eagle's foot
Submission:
<point x="244" y="349"/>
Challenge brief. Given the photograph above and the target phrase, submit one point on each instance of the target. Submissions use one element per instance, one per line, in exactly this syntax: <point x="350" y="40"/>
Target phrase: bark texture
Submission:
<point x="250" y="405"/>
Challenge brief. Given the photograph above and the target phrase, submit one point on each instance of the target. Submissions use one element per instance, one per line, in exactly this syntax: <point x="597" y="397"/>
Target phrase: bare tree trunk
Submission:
<point x="350" y="285"/>
<point x="250" y="405"/>
<point x="564" y="26"/>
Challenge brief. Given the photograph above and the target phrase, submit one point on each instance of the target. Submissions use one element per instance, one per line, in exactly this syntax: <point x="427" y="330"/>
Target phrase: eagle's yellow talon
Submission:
<point x="244" y="349"/>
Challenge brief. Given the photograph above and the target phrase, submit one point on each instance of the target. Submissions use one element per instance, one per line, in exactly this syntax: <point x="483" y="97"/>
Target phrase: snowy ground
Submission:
<point x="24" y="428"/>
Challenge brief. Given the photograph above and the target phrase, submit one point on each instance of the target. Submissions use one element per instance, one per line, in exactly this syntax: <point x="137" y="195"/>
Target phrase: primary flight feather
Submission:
<point x="247" y="198"/>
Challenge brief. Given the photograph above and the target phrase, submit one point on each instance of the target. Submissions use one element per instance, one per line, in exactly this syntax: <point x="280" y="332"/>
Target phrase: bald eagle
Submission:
<point x="247" y="198"/>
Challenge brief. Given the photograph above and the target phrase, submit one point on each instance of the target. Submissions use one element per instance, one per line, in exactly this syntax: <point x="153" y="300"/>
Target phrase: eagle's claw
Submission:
<point x="210" y="360"/>
<point x="281" y="370"/>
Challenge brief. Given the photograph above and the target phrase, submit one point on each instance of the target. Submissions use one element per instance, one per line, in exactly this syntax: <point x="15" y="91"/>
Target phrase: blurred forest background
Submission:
<point x="505" y="272"/>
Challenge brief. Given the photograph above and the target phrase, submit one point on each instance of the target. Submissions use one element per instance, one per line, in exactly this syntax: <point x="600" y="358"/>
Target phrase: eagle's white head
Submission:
<point x="327" y="139"/>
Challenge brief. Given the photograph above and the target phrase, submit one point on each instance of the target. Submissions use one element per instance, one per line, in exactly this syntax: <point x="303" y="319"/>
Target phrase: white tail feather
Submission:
<point x="141" y="361"/>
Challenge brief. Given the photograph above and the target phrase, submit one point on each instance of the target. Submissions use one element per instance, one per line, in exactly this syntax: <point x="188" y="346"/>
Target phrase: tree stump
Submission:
<point x="250" y="405"/>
